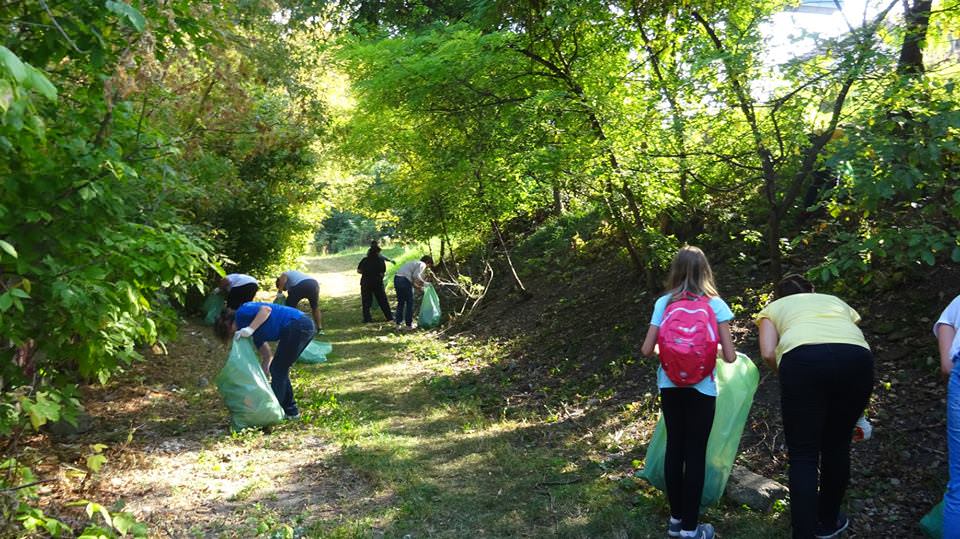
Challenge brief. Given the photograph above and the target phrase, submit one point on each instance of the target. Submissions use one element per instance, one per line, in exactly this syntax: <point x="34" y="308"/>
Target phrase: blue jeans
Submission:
<point x="951" y="500"/>
<point x="293" y="339"/>
<point x="404" y="299"/>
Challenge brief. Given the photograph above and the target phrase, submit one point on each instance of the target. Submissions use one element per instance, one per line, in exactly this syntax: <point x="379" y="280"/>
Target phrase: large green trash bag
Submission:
<point x="429" y="308"/>
<point x="736" y="384"/>
<point x="315" y="352"/>
<point x="932" y="522"/>
<point x="245" y="389"/>
<point x="212" y="307"/>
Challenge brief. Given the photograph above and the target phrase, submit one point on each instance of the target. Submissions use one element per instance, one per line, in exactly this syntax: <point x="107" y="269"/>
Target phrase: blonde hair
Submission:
<point x="690" y="273"/>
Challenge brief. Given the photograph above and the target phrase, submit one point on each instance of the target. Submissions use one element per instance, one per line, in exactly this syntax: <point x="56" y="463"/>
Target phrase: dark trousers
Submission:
<point x="308" y="289"/>
<point x="238" y="295"/>
<point x="293" y="339"/>
<point x="404" y="299"/>
<point x="823" y="390"/>
<point x="368" y="291"/>
<point x="688" y="416"/>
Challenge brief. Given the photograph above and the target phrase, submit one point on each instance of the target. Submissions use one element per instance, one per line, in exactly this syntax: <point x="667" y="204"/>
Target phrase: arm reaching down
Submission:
<point x="769" y="338"/>
<point x="726" y="342"/>
<point x="945" y="336"/>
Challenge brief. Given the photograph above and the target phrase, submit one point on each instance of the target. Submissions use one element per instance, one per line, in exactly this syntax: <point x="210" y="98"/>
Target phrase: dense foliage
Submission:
<point x="144" y="146"/>
<point x="671" y="119"/>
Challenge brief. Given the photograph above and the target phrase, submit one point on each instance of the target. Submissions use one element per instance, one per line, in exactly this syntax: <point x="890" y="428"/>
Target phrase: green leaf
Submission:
<point x="126" y="10"/>
<point x="20" y="293"/>
<point x="41" y="410"/>
<point x="6" y="95"/>
<point x="955" y="255"/>
<point x="6" y="301"/>
<point x="95" y="462"/>
<point x="928" y="257"/>
<point x="8" y="248"/>
<point x="13" y="64"/>
<point x="36" y="80"/>
<point x="124" y="522"/>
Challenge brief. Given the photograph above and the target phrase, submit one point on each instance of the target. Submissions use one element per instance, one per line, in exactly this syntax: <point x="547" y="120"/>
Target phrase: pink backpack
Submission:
<point x="688" y="340"/>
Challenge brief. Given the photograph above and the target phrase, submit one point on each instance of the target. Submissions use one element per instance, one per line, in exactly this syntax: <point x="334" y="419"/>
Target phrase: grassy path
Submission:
<point x="393" y="443"/>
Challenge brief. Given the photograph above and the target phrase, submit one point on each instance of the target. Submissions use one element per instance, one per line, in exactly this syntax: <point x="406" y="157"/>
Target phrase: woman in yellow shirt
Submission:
<point x="826" y="376"/>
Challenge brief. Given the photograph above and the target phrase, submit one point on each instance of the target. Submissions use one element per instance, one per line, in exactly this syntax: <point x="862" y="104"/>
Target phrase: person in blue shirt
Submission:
<point x="264" y="322"/>
<point x="298" y="286"/>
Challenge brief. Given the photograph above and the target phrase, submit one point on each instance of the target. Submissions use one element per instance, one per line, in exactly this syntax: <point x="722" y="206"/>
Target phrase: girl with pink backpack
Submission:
<point x="690" y="324"/>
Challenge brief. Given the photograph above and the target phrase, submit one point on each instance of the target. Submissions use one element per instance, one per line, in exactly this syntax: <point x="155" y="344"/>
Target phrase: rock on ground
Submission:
<point x="752" y="490"/>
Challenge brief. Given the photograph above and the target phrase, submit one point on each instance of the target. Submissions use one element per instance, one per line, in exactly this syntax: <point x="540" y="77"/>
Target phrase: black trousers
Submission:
<point x="368" y="291"/>
<point x="823" y="390"/>
<point x="308" y="289"/>
<point x="688" y="416"/>
<point x="238" y="295"/>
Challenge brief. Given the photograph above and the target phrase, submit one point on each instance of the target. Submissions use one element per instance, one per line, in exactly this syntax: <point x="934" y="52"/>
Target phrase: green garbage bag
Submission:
<point x="280" y="299"/>
<point x="212" y="307"/>
<point x="736" y="384"/>
<point x="932" y="522"/>
<point x="245" y="389"/>
<point x="315" y="352"/>
<point x="429" y="308"/>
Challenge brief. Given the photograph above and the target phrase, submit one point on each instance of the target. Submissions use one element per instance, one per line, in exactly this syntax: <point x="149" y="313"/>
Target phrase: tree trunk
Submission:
<point x="917" y="19"/>
<point x="506" y="254"/>
<point x="773" y="246"/>
<point x="558" y="208"/>
<point x="624" y="235"/>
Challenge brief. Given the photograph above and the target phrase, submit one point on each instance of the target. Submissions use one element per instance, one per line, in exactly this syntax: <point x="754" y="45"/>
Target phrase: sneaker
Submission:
<point x="831" y="532"/>
<point x="292" y="417"/>
<point x="673" y="530"/>
<point x="704" y="531"/>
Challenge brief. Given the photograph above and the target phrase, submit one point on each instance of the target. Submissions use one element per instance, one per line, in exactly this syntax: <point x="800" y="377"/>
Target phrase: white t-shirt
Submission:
<point x="412" y="271"/>
<point x="295" y="277"/>
<point x="239" y="279"/>
<point x="951" y="317"/>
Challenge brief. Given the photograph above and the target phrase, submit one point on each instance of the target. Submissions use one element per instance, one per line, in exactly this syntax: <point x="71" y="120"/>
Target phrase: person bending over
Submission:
<point x="408" y="277"/>
<point x="299" y="286"/>
<point x="239" y="288"/>
<point x="264" y="322"/>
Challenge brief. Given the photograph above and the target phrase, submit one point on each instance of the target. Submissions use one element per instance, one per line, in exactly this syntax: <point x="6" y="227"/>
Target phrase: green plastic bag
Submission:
<point x="932" y="522"/>
<point x="736" y="384"/>
<point x="315" y="352"/>
<point x="245" y="389"/>
<point x="429" y="308"/>
<point x="212" y="307"/>
<point x="280" y="299"/>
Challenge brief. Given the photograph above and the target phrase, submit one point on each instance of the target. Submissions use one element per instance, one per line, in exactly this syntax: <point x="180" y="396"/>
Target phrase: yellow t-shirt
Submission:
<point x="812" y="319"/>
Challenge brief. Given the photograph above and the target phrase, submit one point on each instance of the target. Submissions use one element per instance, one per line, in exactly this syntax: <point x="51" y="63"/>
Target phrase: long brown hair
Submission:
<point x="690" y="273"/>
<point x="223" y="325"/>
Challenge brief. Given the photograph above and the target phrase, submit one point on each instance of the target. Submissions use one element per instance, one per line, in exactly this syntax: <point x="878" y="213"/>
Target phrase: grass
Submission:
<point x="401" y="437"/>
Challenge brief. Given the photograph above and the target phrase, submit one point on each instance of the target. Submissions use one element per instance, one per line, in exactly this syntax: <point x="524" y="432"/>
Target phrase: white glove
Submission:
<point x="244" y="332"/>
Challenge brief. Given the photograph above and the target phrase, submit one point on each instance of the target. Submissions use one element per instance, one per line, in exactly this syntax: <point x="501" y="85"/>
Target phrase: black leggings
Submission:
<point x="238" y="295"/>
<point x="823" y="390"/>
<point x="688" y="416"/>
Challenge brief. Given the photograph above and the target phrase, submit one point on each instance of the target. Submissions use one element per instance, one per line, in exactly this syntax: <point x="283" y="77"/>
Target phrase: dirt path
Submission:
<point x="397" y="440"/>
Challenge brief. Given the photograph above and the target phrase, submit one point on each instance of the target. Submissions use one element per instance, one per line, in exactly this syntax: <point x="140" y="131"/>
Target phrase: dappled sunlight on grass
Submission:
<point x="400" y="435"/>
